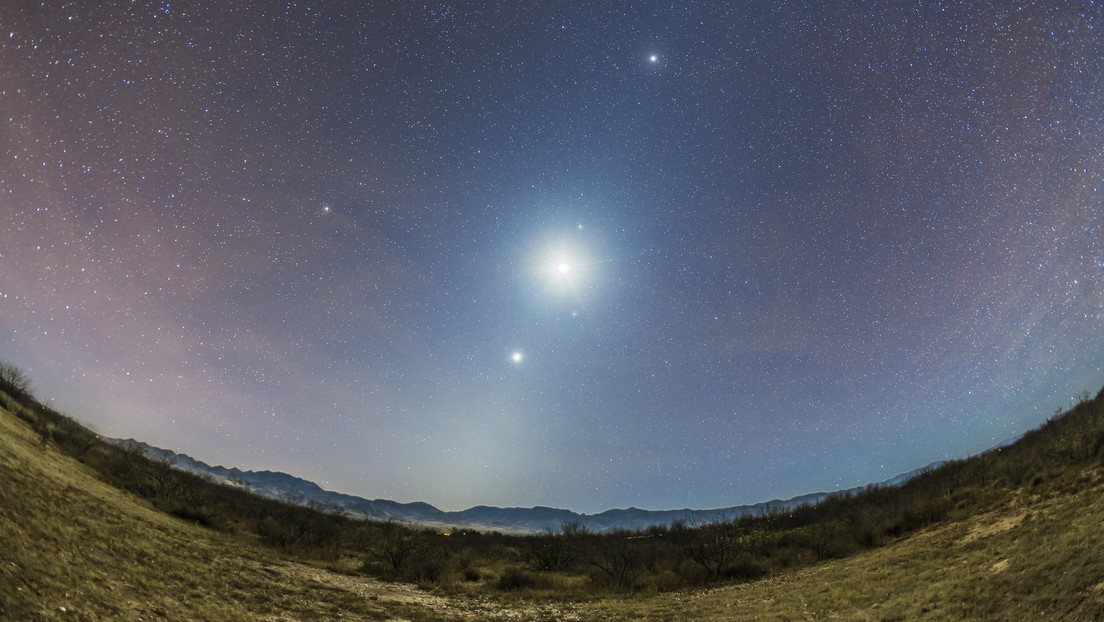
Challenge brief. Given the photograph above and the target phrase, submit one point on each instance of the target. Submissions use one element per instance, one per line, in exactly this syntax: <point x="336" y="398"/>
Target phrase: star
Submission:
<point x="386" y="241"/>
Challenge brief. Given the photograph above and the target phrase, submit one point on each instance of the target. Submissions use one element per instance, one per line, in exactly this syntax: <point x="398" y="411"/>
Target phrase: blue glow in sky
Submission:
<point x="648" y="254"/>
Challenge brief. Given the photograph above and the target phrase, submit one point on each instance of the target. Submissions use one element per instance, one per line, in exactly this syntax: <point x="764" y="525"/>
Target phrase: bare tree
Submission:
<point x="396" y="547"/>
<point x="620" y="560"/>
<point x="552" y="551"/>
<point x="164" y="482"/>
<point x="294" y="496"/>
<point x="14" y="379"/>
<point x="573" y="529"/>
<point x="713" y="549"/>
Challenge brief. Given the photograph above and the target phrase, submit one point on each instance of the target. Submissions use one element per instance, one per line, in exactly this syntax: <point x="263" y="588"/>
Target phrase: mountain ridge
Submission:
<point x="509" y="520"/>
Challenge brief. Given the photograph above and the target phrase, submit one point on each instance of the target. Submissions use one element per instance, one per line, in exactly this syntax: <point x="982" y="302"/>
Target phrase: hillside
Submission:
<point x="519" y="521"/>
<point x="1036" y="558"/>
<point x="1021" y="543"/>
<point x="73" y="548"/>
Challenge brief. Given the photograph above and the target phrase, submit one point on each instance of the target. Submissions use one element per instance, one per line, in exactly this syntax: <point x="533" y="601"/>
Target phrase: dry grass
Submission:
<point x="73" y="548"/>
<point x="1038" y="559"/>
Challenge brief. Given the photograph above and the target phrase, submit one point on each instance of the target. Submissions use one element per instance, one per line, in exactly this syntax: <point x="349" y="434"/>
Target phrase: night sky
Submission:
<point x="648" y="254"/>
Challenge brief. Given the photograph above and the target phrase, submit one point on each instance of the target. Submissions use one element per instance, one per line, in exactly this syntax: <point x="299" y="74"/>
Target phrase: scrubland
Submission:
<point x="91" y="531"/>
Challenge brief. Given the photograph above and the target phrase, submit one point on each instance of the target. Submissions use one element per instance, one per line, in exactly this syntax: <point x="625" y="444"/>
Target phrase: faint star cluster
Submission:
<point x="661" y="255"/>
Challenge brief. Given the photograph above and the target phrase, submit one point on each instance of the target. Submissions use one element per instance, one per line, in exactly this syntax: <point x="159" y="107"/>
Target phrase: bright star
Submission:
<point x="654" y="58"/>
<point x="516" y="357"/>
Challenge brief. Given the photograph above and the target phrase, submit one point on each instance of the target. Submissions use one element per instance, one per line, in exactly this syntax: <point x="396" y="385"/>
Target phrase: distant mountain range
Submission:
<point x="481" y="518"/>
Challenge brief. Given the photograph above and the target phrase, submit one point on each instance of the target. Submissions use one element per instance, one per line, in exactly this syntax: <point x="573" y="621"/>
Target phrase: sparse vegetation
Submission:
<point x="51" y="509"/>
<point x="14" y="380"/>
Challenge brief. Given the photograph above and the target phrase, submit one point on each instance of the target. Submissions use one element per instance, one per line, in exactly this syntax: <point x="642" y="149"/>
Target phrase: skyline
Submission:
<point x="626" y="254"/>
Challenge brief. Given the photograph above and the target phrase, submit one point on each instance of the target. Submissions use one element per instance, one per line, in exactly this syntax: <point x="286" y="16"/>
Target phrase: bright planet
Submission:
<point x="826" y="244"/>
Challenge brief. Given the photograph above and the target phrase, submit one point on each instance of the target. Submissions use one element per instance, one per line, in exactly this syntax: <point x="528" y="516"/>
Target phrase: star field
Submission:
<point x="650" y="254"/>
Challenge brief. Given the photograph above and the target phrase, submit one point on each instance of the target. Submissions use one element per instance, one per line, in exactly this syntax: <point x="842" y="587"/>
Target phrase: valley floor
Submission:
<point x="72" y="548"/>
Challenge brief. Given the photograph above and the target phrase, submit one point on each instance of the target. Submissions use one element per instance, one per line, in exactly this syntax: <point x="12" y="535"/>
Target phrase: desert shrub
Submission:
<point x="828" y="539"/>
<point x="864" y="531"/>
<point x="618" y="561"/>
<point x="666" y="580"/>
<point x="516" y="579"/>
<point x="395" y="548"/>
<point x="659" y="558"/>
<point x="552" y="552"/>
<point x="713" y="548"/>
<point x="192" y="514"/>
<point x="10" y="403"/>
<point x="787" y="552"/>
<point x="280" y="533"/>
<point x="430" y="568"/>
<point x="744" y="568"/>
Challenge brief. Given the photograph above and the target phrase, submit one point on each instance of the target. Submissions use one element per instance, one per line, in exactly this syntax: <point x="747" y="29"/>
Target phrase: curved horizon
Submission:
<point x="615" y="255"/>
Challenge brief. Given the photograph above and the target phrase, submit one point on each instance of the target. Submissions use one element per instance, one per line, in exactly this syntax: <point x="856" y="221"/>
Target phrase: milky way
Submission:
<point x="662" y="255"/>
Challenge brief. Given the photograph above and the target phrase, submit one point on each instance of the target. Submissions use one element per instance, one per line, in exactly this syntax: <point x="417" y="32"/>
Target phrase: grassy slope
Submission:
<point x="74" y="548"/>
<point x="69" y="541"/>
<point x="1035" y="559"/>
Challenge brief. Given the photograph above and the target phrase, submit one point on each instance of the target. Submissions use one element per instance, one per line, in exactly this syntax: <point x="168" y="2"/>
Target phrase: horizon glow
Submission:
<point x="674" y="256"/>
